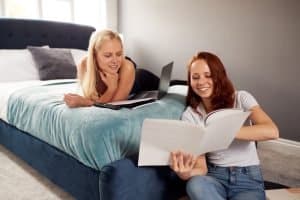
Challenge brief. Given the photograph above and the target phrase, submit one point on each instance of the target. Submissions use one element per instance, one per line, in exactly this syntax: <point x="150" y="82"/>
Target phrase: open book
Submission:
<point x="161" y="136"/>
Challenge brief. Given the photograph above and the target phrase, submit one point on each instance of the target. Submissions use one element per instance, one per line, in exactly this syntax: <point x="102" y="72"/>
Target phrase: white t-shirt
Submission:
<point x="240" y="153"/>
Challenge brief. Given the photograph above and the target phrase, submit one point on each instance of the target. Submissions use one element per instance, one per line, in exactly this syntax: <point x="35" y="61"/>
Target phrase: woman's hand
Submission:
<point x="182" y="164"/>
<point x="75" y="100"/>
<point x="110" y="80"/>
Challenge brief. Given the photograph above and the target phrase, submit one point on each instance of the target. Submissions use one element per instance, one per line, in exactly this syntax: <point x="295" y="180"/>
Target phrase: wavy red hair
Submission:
<point x="223" y="94"/>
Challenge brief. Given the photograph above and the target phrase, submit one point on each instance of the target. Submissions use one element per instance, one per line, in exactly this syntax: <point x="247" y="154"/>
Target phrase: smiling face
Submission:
<point x="109" y="57"/>
<point x="208" y="83"/>
<point x="201" y="79"/>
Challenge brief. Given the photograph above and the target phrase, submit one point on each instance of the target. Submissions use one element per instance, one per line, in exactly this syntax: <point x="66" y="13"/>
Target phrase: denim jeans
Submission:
<point x="233" y="183"/>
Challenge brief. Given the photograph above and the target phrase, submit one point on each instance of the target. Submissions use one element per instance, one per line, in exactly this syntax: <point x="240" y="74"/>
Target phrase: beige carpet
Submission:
<point x="18" y="181"/>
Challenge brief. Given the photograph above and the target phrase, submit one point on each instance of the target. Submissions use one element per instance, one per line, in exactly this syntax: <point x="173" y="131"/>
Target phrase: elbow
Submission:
<point x="275" y="133"/>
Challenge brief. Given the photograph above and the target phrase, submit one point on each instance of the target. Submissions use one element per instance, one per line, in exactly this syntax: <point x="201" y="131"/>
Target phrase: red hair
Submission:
<point x="223" y="93"/>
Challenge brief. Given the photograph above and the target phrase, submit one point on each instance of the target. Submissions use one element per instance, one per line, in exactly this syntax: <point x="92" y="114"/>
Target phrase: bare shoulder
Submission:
<point x="127" y="67"/>
<point x="82" y="64"/>
<point x="81" y="67"/>
<point x="128" y="64"/>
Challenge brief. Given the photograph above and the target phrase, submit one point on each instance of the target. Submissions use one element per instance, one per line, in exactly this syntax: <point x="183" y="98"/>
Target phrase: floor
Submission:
<point x="18" y="181"/>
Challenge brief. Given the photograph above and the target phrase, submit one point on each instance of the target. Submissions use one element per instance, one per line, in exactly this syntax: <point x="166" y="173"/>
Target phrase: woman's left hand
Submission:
<point x="182" y="164"/>
<point x="75" y="100"/>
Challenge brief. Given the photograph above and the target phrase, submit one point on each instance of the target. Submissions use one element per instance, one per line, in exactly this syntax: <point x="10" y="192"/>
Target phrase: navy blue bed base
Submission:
<point x="79" y="180"/>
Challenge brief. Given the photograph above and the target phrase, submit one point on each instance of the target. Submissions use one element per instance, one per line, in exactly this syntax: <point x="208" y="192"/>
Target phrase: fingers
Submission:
<point x="72" y="100"/>
<point x="103" y="77"/>
<point x="190" y="161"/>
<point x="181" y="162"/>
<point x="174" y="161"/>
<point x="68" y="100"/>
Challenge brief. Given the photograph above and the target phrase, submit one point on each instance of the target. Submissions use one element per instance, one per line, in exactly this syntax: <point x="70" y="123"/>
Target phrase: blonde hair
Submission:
<point x="89" y="79"/>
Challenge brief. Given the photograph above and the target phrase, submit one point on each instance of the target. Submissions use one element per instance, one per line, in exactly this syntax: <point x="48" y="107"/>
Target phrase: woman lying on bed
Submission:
<point x="105" y="75"/>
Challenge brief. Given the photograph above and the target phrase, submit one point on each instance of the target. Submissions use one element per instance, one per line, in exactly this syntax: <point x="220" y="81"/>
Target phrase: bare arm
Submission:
<point x="186" y="166"/>
<point x="81" y="68"/>
<point x="75" y="100"/>
<point x="126" y="81"/>
<point x="263" y="127"/>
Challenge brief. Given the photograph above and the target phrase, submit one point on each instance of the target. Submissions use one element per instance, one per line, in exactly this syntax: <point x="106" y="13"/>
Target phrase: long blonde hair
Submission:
<point x="89" y="79"/>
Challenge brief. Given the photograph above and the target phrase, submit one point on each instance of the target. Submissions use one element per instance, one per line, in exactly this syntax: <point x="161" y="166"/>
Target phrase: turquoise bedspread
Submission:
<point x="94" y="136"/>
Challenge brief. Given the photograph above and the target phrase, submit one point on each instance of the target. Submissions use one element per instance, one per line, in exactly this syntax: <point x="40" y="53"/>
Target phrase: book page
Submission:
<point x="221" y="113"/>
<point x="160" y="137"/>
<point x="221" y="131"/>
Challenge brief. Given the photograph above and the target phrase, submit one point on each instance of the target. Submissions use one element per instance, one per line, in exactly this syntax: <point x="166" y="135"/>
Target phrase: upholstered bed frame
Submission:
<point x="18" y="34"/>
<point x="118" y="180"/>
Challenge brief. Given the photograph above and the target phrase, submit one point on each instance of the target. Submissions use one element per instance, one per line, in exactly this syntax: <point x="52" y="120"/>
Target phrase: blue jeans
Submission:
<point x="233" y="183"/>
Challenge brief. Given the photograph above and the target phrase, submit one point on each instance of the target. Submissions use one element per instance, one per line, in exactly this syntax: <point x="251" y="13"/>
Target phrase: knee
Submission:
<point x="198" y="185"/>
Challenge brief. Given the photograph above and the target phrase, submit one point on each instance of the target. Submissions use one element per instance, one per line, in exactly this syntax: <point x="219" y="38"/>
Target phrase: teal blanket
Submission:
<point x="94" y="136"/>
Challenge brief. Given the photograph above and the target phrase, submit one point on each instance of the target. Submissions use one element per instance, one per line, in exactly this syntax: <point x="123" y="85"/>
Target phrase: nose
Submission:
<point x="201" y="80"/>
<point x="115" y="58"/>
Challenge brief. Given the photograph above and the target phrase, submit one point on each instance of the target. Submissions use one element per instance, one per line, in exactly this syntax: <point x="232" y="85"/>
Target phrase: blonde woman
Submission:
<point x="105" y="75"/>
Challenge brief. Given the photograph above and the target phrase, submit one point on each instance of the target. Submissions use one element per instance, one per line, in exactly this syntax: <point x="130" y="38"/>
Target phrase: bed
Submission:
<point x="89" y="152"/>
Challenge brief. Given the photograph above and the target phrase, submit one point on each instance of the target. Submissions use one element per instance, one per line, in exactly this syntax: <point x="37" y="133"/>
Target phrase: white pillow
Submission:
<point x="17" y="65"/>
<point x="178" y="89"/>
<point x="78" y="54"/>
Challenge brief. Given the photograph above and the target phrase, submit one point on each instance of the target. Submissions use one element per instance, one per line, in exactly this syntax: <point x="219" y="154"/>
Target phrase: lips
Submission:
<point x="204" y="89"/>
<point x="114" y="67"/>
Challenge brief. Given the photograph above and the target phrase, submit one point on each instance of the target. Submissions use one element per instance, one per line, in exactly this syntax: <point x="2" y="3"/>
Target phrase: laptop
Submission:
<point x="145" y="96"/>
<point x="164" y="82"/>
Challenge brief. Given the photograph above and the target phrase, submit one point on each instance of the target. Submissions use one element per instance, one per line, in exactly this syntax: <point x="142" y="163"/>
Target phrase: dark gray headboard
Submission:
<point x="18" y="33"/>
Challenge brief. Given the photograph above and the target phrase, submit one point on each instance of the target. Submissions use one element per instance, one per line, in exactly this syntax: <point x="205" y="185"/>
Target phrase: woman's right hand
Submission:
<point x="75" y="100"/>
<point x="182" y="164"/>
<point x="110" y="80"/>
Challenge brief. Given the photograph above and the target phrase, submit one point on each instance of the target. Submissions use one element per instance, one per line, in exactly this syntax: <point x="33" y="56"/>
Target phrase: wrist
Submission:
<point x="185" y="175"/>
<point x="87" y="102"/>
<point x="110" y="91"/>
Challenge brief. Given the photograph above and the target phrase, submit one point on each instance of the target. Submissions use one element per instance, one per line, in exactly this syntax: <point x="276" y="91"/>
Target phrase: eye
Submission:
<point x="119" y="54"/>
<point x="208" y="75"/>
<point x="107" y="55"/>
<point x="195" y="77"/>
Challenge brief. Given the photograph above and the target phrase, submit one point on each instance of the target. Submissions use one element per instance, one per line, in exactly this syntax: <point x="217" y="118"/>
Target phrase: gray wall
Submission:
<point x="258" y="41"/>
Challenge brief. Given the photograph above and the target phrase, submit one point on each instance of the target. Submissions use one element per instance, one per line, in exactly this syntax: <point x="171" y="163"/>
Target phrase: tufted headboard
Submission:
<point x="19" y="33"/>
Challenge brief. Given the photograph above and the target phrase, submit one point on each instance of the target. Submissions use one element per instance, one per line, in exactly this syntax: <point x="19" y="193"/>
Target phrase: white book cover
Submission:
<point x="161" y="136"/>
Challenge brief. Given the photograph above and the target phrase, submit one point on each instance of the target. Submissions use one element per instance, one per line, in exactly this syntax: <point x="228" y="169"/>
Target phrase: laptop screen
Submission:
<point x="165" y="79"/>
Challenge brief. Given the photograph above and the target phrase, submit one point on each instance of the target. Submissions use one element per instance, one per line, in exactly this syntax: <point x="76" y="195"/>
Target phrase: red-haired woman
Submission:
<point x="233" y="173"/>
